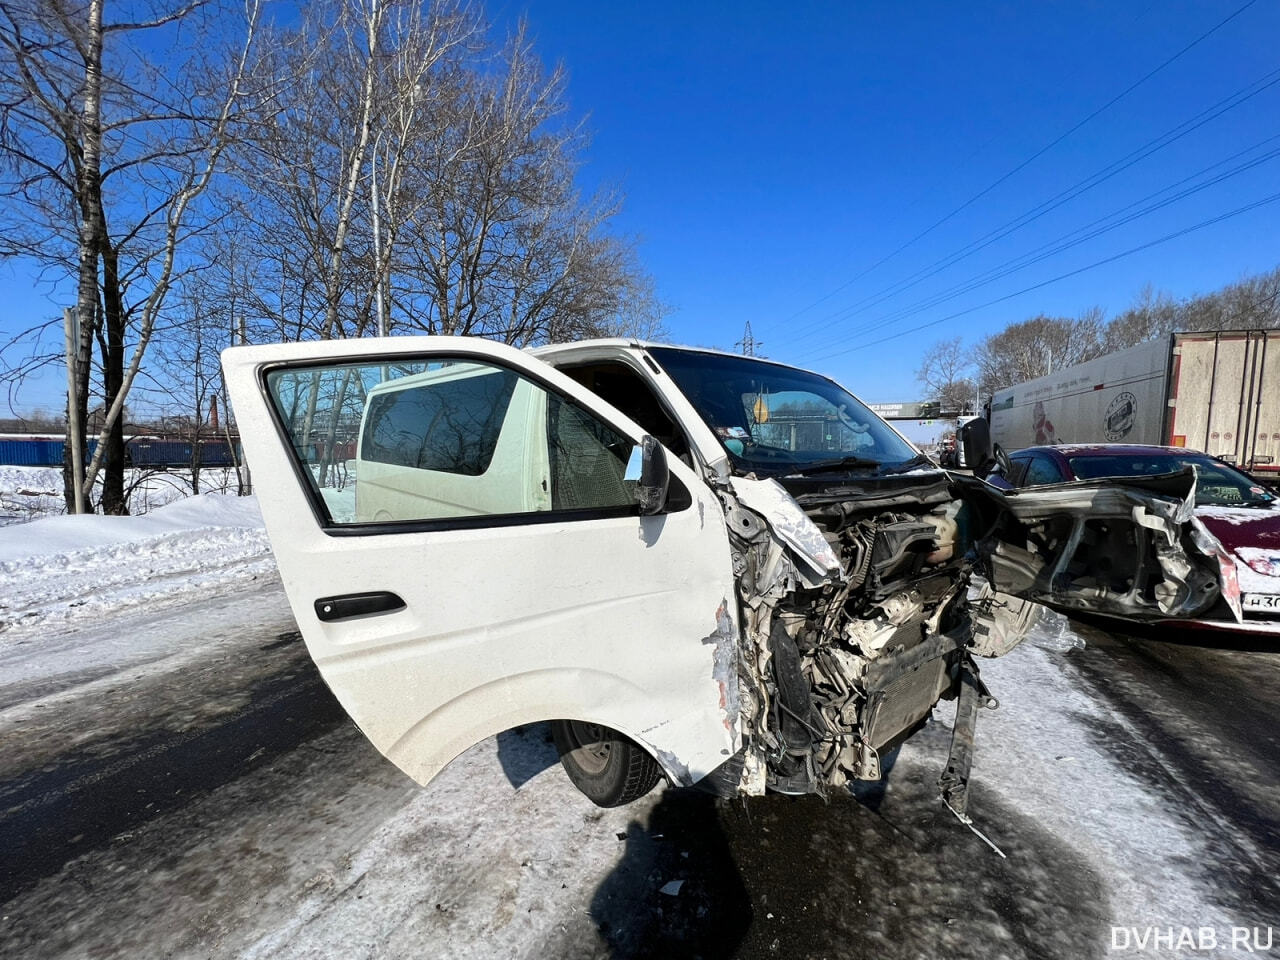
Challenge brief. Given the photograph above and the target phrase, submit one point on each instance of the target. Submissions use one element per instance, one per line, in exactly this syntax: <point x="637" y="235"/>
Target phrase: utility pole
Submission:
<point x="748" y="343"/>
<point x="71" y="331"/>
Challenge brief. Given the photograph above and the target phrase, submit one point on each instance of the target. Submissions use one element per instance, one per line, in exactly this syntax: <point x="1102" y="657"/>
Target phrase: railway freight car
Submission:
<point x="145" y="453"/>
<point x="157" y="453"/>
<point x="31" y="451"/>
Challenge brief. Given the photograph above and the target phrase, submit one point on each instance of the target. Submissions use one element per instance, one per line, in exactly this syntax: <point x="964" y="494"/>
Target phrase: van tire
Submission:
<point x="608" y="768"/>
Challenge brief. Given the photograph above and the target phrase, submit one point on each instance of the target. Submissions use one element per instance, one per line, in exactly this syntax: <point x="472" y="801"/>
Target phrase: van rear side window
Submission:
<point x="451" y="426"/>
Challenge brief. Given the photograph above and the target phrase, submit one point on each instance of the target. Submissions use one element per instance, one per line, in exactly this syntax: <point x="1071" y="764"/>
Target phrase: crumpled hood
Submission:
<point x="1250" y="527"/>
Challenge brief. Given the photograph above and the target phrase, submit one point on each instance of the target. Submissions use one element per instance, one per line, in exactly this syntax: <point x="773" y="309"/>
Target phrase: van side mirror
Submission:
<point x="975" y="439"/>
<point x="647" y="468"/>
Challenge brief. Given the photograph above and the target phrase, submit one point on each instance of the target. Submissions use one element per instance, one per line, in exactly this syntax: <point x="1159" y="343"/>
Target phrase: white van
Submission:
<point x="475" y="440"/>
<point x="703" y="567"/>
<point x="451" y="442"/>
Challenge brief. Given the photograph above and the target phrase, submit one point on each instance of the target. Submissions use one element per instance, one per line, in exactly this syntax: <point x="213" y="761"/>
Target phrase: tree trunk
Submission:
<point x="114" y="501"/>
<point x="90" y="228"/>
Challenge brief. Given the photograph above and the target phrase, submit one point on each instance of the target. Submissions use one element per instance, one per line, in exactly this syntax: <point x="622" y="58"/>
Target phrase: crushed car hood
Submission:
<point x="1252" y="536"/>
<point x="1249" y="528"/>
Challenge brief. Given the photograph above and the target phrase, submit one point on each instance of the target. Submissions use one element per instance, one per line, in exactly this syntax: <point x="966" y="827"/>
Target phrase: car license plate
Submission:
<point x="1264" y="602"/>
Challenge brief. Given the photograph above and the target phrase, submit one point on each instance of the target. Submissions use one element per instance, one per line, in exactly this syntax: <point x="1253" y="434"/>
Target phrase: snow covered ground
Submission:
<point x="125" y="640"/>
<point x="66" y="568"/>
<point x="323" y="850"/>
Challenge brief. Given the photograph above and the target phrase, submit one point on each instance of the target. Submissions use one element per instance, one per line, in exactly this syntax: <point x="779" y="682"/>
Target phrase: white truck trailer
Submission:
<point x="1216" y="391"/>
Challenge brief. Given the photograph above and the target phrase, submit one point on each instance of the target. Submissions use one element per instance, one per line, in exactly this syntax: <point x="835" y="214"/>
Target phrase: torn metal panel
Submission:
<point x="873" y="648"/>
<point x="1229" y="574"/>
<point x="675" y="768"/>
<point x="954" y="781"/>
<point x="842" y="667"/>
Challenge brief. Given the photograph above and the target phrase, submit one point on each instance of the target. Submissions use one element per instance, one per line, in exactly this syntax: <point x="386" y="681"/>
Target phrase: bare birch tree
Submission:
<point x="420" y="179"/>
<point x="1032" y="348"/>
<point x="1252" y="303"/>
<point x="358" y="79"/>
<point x="504" y="244"/>
<point x="106" y="145"/>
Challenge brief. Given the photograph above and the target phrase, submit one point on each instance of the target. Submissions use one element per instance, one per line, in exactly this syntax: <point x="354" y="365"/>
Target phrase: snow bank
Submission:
<point x="28" y="493"/>
<point x="68" y="567"/>
<point x="21" y="543"/>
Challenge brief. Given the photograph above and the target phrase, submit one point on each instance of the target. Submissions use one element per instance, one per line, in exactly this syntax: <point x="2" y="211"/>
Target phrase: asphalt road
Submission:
<point x="188" y="806"/>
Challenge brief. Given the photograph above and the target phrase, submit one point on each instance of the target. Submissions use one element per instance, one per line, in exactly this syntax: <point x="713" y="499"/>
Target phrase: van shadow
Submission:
<point x="525" y="751"/>
<point x="782" y="876"/>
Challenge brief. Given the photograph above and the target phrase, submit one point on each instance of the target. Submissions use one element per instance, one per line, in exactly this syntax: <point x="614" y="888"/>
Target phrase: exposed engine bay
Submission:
<point x="858" y="616"/>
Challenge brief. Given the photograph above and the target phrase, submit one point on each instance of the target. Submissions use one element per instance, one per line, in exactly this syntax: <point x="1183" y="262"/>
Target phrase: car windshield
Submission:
<point x="776" y="420"/>
<point x="1217" y="484"/>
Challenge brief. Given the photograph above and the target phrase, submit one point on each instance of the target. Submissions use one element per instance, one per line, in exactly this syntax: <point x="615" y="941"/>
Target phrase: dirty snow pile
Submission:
<point x="65" y="568"/>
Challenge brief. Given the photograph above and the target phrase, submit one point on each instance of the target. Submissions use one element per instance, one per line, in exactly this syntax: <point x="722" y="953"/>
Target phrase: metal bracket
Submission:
<point x="954" y="781"/>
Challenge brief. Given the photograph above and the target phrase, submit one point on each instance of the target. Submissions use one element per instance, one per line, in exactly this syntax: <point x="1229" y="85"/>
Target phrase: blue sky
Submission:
<point x="772" y="153"/>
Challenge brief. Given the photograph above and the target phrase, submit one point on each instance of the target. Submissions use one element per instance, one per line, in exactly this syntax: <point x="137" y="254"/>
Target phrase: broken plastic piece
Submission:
<point x="1002" y="621"/>
<point x="790" y="523"/>
<point x="1051" y="630"/>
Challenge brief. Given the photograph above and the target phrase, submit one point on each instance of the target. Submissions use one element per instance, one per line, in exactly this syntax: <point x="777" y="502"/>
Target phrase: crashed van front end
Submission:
<point x="857" y="609"/>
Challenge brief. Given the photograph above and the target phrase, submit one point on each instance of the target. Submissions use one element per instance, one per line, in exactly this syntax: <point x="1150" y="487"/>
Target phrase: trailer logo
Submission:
<point x="1120" y="416"/>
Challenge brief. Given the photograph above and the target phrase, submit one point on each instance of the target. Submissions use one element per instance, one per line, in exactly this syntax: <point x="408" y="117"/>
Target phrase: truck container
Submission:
<point x="1215" y="391"/>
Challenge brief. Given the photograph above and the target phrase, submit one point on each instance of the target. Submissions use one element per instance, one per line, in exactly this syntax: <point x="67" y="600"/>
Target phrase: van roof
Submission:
<point x="455" y="371"/>
<point x="604" y="345"/>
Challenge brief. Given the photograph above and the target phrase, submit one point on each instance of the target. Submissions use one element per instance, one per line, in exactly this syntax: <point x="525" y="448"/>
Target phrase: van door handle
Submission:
<point x="357" y="605"/>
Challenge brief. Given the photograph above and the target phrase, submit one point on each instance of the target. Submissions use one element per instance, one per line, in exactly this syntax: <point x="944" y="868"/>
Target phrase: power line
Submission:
<point x="1031" y="159"/>
<point x="1071" y="273"/>
<point x="1078" y="236"/>
<point x="1100" y="176"/>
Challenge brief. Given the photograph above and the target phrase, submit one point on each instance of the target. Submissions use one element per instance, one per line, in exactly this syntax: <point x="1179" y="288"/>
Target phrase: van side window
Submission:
<point x="587" y="459"/>
<point x="625" y="389"/>
<point x="446" y="440"/>
<point x="451" y="426"/>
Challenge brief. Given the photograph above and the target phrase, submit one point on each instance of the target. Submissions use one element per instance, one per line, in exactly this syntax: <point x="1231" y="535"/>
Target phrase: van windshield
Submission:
<point x="776" y="420"/>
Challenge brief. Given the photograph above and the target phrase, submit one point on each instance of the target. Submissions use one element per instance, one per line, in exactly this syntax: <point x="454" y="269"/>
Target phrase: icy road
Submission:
<point x="175" y="781"/>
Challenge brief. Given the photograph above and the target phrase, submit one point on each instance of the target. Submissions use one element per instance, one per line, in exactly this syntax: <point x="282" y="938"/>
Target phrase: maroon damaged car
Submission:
<point x="1240" y="512"/>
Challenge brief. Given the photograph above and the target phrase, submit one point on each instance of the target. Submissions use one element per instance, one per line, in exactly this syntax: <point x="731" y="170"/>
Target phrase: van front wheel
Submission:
<point x="607" y="767"/>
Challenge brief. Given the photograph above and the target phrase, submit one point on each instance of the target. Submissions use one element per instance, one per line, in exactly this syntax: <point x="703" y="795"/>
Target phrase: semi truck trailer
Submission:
<point x="1215" y="391"/>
